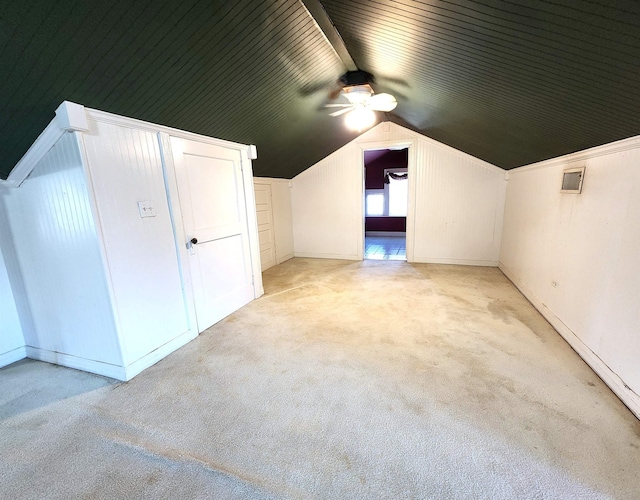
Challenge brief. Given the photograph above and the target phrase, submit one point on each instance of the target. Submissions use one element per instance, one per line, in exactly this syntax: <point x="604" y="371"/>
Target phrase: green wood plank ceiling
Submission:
<point x="510" y="82"/>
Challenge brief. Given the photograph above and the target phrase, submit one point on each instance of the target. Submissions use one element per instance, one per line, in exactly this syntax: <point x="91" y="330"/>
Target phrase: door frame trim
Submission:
<point x="410" y="144"/>
<point x="179" y="233"/>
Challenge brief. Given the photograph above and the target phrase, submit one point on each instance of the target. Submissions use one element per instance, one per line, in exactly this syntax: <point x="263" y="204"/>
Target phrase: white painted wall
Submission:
<point x="282" y="216"/>
<point x="97" y="286"/>
<point x="589" y="245"/>
<point x="327" y="207"/>
<point x="455" y="208"/>
<point x="11" y="338"/>
<point x="64" y="302"/>
<point x="124" y="168"/>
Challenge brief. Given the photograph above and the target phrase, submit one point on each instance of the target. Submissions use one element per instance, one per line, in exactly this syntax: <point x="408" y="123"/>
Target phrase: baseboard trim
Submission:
<point x="284" y="258"/>
<point x="87" y="365"/>
<point x="312" y="255"/>
<point x="6" y="358"/>
<point x="608" y="376"/>
<point x="160" y="353"/>
<point x="106" y="369"/>
<point x="402" y="234"/>
<point x="457" y="262"/>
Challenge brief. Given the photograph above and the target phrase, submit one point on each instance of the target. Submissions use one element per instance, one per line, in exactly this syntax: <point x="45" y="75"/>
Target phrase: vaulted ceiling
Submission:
<point x="510" y="82"/>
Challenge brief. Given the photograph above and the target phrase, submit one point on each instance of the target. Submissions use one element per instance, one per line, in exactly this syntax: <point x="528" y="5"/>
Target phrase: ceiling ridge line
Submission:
<point x="320" y="16"/>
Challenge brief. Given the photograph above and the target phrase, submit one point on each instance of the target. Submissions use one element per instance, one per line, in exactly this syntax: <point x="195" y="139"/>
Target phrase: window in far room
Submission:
<point x="375" y="202"/>
<point x="392" y="200"/>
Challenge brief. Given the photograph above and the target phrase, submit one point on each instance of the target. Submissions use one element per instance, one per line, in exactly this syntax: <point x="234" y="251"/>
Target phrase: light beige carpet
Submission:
<point x="346" y="380"/>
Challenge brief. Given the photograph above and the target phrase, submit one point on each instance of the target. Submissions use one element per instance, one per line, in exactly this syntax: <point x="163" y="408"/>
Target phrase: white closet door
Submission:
<point x="264" y="211"/>
<point x="213" y="206"/>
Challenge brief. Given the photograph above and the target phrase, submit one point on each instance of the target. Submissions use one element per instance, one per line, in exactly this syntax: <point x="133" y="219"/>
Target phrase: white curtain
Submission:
<point x="398" y="191"/>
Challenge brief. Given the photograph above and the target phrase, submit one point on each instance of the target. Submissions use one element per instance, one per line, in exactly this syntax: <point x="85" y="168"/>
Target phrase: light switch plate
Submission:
<point x="146" y="209"/>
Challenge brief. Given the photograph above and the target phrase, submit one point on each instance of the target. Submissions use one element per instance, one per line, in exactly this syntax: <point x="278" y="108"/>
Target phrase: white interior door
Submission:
<point x="214" y="213"/>
<point x="264" y="212"/>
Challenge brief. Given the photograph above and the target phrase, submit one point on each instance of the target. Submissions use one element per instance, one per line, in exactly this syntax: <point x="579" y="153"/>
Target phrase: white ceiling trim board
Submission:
<point x="69" y="117"/>
<point x="605" y="149"/>
<point x="74" y="117"/>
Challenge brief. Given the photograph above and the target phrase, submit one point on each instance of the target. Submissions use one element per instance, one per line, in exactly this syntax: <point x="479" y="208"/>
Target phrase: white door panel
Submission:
<point x="264" y="213"/>
<point x="226" y="287"/>
<point x="213" y="183"/>
<point x="262" y="195"/>
<point x="213" y="205"/>
<point x="264" y="217"/>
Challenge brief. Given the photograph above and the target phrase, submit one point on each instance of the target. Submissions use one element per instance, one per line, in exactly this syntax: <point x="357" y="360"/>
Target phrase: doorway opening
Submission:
<point x="385" y="201"/>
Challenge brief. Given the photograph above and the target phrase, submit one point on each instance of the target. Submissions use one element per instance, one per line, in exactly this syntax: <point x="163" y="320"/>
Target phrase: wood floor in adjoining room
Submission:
<point x="346" y="379"/>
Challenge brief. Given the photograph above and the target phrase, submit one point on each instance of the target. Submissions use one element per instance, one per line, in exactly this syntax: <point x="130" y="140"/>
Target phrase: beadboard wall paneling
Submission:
<point x="11" y="338"/>
<point x="282" y="218"/>
<point x="455" y="207"/>
<point x="459" y="207"/>
<point x="327" y="206"/>
<point x="59" y="260"/>
<point x="575" y="256"/>
<point x="125" y="168"/>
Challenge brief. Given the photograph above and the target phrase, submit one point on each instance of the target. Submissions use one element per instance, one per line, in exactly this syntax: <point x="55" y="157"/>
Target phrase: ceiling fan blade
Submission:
<point x="337" y="105"/>
<point x="382" y="102"/>
<point x="341" y="111"/>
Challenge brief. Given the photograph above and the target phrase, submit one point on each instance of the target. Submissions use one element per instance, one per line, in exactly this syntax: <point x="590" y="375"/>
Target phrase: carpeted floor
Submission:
<point x="346" y="380"/>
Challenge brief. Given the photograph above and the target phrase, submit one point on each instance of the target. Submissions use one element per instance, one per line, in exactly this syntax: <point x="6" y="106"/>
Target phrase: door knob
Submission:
<point x="194" y="241"/>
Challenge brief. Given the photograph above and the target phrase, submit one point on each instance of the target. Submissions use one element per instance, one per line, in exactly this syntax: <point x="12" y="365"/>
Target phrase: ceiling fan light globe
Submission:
<point x="358" y="95"/>
<point x="360" y="119"/>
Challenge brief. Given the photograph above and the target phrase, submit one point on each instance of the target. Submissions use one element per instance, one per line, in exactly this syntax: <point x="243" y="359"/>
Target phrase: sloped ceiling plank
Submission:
<point x="234" y="70"/>
<point x="478" y="59"/>
<point x="508" y="82"/>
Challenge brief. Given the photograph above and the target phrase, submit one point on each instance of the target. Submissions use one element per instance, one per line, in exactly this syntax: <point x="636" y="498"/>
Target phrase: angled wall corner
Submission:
<point x="69" y="117"/>
<point x="57" y="254"/>
<point x="11" y="338"/>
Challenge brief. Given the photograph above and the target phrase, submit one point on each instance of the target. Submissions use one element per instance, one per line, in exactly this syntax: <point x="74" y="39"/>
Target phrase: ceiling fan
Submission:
<point x="355" y="84"/>
<point x="363" y="96"/>
<point x="355" y="87"/>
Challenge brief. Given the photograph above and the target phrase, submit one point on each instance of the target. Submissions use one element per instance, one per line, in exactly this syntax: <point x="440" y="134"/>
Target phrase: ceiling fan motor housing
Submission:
<point x="357" y="77"/>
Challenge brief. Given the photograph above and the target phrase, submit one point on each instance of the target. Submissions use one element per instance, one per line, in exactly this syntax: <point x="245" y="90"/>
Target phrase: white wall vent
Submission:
<point x="572" y="180"/>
